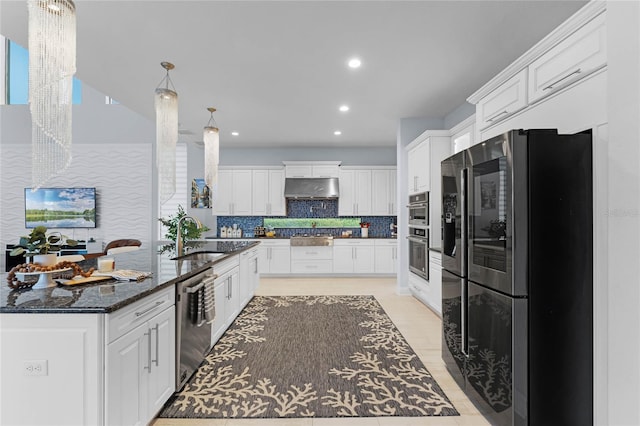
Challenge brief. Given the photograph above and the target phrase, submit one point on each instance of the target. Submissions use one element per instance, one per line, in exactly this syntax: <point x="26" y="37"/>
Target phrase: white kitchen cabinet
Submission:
<point x="386" y="256"/>
<point x="353" y="256"/>
<point x="274" y="256"/>
<point x="418" y="168"/>
<point x="435" y="281"/>
<point x="310" y="169"/>
<point x="355" y="192"/>
<point x="504" y="101"/>
<point x="249" y="275"/>
<point x="228" y="295"/>
<point x="383" y="192"/>
<point x="311" y="259"/>
<point x="232" y="194"/>
<point x="140" y="360"/>
<point x="268" y="192"/>
<point x="580" y="54"/>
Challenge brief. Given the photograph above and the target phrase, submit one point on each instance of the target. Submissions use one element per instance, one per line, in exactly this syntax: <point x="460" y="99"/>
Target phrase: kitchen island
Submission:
<point x="63" y="347"/>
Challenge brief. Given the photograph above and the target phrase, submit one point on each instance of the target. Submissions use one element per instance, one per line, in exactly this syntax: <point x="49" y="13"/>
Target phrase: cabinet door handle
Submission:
<point x="493" y="117"/>
<point x="158" y="303"/>
<point x="148" y="333"/>
<point x="578" y="71"/>
<point x="255" y="263"/>
<point x="231" y="287"/>
<point x="157" y="329"/>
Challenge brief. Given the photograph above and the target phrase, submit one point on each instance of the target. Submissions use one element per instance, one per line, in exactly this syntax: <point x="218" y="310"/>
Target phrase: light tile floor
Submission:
<point x="417" y="323"/>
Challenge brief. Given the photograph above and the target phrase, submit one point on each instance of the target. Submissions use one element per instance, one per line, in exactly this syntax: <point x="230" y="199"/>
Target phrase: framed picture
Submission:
<point x="200" y="195"/>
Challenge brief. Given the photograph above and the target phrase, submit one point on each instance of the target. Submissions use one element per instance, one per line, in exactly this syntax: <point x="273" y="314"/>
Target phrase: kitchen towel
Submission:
<point x="208" y="300"/>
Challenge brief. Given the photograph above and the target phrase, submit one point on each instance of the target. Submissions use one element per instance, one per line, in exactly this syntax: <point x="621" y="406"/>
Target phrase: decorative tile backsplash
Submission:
<point x="302" y="212"/>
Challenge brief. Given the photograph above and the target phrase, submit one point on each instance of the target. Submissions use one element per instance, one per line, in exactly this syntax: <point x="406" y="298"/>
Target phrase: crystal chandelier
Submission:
<point x="211" y="151"/>
<point x="166" y="103"/>
<point x="52" y="64"/>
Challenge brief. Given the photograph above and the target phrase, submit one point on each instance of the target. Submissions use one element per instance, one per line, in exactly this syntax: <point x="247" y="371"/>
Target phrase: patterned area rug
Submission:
<point x="310" y="356"/>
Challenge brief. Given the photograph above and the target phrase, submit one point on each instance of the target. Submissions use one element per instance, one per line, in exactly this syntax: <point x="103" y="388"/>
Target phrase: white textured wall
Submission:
<point x="121" y="174"/>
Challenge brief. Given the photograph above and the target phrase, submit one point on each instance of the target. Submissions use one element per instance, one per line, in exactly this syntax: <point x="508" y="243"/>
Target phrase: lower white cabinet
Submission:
<point x="353" y="256"/>
<point x="274" y="257"/>
<point x="386" y="256"/>
<point x="249" y="275"/>
<point x="140" y="362"/>
<point x="314" y="260"/>
<point x="228" y="296"/>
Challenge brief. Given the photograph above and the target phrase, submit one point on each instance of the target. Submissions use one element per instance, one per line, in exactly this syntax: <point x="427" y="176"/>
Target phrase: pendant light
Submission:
<point x="211" y="138"/>
<point x="166" y="104"/>
<point x="52" y="64"/>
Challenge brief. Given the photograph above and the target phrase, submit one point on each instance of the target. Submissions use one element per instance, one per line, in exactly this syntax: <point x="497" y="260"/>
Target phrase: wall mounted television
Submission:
<point x="60" y="207"/>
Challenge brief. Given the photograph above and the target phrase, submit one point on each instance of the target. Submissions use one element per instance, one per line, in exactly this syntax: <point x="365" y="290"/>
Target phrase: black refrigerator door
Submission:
<point x="452" y="170"/>
<point x="453" y="291"/>
<point x="497" y="362"/>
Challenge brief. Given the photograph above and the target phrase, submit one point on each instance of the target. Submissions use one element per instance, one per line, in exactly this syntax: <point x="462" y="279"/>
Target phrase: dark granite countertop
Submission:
<point x="109" y="296"/>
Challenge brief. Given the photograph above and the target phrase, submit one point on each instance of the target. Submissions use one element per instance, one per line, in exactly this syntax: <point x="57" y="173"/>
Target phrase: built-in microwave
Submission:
<point x="419" y="209"/>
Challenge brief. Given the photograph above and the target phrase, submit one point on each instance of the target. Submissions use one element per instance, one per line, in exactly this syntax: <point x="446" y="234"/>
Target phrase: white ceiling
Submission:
<point x="276" y="70"/>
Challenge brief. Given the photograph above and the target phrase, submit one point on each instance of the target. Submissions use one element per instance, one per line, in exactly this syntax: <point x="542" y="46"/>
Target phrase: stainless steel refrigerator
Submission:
<point x="517" y="278"/>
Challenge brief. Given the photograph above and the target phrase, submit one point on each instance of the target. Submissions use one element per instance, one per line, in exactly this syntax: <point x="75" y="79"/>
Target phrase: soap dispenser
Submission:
<point x="223" y="232"/>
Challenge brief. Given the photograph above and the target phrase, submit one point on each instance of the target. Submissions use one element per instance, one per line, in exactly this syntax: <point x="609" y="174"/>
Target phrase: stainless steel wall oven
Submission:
<point x="419" y="251"/>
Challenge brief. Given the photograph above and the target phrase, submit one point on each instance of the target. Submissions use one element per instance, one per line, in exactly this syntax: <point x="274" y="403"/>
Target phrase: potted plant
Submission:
<point x="189" y="231"/>
<point x="42" y="246"/>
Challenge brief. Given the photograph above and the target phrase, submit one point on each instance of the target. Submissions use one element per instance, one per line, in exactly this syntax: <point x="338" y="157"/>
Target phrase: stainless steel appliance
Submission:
<point x="517" y="276"/>
<point x="419" y="251"/>
<point x="311" y="240"/>
<point x="311" y="188"/>
<point x="193" y="332"/>
<point x="419" y="209"/>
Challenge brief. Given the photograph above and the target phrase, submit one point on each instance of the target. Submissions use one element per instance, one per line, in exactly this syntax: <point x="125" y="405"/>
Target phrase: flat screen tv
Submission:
<point x="60" y="207"/>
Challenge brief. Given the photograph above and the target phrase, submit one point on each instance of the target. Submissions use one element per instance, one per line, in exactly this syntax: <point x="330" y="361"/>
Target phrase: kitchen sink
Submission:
<point x="200" y="257"/>
<point x="302" y="241"/>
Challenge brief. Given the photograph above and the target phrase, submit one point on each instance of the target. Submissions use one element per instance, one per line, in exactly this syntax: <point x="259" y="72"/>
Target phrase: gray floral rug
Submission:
<point x="310" y="356"/>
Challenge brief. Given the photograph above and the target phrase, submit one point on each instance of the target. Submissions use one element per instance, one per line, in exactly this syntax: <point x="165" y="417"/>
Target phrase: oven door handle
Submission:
<point x="417" y="205"/>
<point x="418" y="240"/>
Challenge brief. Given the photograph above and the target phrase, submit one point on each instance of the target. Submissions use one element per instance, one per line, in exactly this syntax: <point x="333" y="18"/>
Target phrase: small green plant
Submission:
<point x="190" y="230"/>
<point x="41" y="242"/>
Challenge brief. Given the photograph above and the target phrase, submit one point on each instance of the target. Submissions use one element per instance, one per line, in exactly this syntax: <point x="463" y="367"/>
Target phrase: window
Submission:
<point x="16" y="72"/>
<point x="182" y="195"/>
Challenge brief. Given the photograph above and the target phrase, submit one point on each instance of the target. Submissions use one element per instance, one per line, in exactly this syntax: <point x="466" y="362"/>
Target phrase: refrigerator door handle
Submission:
<point x="464" y="232"/>
<point x="464" y="312"/>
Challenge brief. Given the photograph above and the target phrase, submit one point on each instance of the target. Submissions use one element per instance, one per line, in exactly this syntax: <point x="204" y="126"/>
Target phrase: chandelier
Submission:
<point x="52" y="64"/>
<point x="211" y="150"/>
<point x="166" y="103"/>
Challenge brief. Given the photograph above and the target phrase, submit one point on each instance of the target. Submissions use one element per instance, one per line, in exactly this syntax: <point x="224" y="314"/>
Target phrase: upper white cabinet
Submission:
<point x="268" y="192"/>
<point x="355" y="192"/>
<point x="582" y="53"/>
<point x="383" y="192"/>
<point x="232" y="194"/>
<point x="423" y="157"/>
<point x="558" y="83"/>
<point x="307" y="169"/>
<point x="418" y="168"/>
<point x="507" y="99"/>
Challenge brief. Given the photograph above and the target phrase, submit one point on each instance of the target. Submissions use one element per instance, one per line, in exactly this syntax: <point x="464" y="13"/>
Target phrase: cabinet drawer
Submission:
<point x="390" y="242"/>
<point x="312" y="253"/>
<point x="311" y="266"/>
<point x="226" y="265"/>
<point x="507" y="99"/>
<point x="577" y="56"/>
<point x="126" y="319"/>
<point x="350" y="243"/>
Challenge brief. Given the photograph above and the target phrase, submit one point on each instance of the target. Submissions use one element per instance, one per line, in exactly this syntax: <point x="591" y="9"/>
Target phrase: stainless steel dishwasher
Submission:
<point x="193" y="332"/>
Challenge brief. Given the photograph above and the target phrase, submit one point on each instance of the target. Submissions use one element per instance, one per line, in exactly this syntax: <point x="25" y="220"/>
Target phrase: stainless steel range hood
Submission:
<point x="311" y="188"/>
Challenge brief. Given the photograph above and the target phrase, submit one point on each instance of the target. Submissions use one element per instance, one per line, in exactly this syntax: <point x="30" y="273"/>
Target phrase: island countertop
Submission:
<point x="109" y="296"/>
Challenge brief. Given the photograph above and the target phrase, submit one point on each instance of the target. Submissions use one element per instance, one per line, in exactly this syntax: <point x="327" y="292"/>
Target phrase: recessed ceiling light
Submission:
<point x="354" y="63"/>
<point x="337" y="133"/>
<point x="344" y="108"/>
<point x="234" y="133"/>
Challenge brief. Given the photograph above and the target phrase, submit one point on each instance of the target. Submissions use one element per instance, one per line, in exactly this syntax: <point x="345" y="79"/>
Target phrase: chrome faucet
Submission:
<point x="179" y="244"/>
